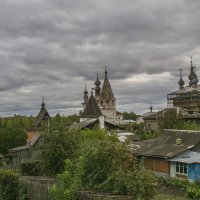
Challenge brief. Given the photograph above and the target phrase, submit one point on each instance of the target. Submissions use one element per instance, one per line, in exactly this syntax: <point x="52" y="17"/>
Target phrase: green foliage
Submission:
<point x="63" y="121"/>
<point x="168" y="197"/>
<point x="58" y="146"/>
<point x="130" y="115"/>
<point x="133" y="127"/>
<point x="12" y="133"/>
<point x="33" y="168"/>
<point x="68" y="182"/>
<point x="13" y="129"/>
<point x="10" y="138"/>
<point x="22" y="191"/>
<point x="170" y="120"/>
<point x="188" y="126"/>
<point x="103" y="163"/>
<point x="146" y="135"/>
<point x="192" y="189"/>
<point x="8" y="184"/>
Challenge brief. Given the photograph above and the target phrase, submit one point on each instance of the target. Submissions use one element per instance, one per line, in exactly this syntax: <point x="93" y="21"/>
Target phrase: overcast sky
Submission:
<point x="52" y="48"/>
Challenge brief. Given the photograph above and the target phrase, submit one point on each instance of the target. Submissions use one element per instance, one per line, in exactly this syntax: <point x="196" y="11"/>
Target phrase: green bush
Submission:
<point x="104" y="164"/>
<point x="22" y="190"/>
<point x="32" y="168"/>
<point x="9" y="181"/>
<point x="68" y="182"/>
<point x="192" y="189"/>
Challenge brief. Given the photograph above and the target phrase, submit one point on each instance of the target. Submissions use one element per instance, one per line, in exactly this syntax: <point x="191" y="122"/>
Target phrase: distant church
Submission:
<point x="186" y="97"/>
<point x="105" y="100"/>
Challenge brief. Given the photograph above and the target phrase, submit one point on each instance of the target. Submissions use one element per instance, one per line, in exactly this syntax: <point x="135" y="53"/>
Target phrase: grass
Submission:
<point x="169" y="197"/>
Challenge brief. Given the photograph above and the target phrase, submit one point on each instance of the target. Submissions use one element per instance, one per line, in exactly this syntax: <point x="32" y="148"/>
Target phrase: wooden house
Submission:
<point x="30" y="150"/>
<point x="174" y="153"/>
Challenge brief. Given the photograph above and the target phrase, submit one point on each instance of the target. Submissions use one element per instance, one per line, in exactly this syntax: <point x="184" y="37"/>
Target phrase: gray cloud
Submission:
<point x="52" y="48"/>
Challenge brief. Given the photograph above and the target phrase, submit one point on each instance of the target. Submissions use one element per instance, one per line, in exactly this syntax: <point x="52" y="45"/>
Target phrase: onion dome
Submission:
<point x="97" y="82"/>
<point x="192" y="76"/>
<point x="181" y="81"/>
<point x="85" y="92"/>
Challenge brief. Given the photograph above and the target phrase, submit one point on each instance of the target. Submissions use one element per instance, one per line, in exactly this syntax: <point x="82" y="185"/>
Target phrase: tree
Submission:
<point x="59" y="145"/>
<point x="130" y="115"/>
<point x="103" y="163"/>
<point x="170" y="119"/>
<point x="10" y="138"/>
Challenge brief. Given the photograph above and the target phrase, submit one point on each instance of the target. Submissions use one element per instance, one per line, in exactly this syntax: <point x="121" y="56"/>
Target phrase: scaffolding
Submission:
<point x="189" y="100"/>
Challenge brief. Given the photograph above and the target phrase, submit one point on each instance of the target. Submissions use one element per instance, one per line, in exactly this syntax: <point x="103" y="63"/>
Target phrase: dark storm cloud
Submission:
<point x="52" y="48"/>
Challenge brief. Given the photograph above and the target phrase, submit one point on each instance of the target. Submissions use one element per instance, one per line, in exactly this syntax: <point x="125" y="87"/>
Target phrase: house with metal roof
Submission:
<point x="174" y="153"/>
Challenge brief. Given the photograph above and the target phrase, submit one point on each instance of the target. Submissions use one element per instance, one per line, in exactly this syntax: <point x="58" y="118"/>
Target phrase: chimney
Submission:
<point x="101" y="122"/>
<point x="178" y="141"/>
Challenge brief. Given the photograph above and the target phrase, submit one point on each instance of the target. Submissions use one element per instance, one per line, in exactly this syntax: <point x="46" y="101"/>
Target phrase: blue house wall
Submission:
<point x="194" y="172"/>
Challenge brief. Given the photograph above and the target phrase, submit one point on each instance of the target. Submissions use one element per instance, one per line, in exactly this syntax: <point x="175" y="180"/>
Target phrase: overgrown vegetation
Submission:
<point x="33" y="168"/>
<point x="13" y="129"/>
<point x="59" y="145"/>
<point x="131" y="115"/>
<point x="191" y="188"/>
<point x="103" y="163"/>
<point x="9" y="181"/>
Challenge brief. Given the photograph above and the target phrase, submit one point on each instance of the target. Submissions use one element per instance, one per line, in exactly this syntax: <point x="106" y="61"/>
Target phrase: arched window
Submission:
<point x="113" y="103"/>
<point x="107" y="102"/>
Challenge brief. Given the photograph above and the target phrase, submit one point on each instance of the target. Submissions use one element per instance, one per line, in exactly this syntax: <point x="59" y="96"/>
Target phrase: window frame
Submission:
<point x="181" y="168"/>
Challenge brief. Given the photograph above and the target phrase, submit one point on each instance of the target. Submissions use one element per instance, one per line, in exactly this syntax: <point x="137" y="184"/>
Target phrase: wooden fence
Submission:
<point x="38" y="187"/>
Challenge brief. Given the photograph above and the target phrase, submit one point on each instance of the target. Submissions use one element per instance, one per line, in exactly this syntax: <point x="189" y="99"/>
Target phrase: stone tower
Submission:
<point x="107" y="100"/>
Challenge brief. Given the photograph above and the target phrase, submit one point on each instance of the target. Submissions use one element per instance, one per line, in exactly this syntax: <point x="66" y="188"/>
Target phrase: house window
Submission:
<point x="181" y="168"/>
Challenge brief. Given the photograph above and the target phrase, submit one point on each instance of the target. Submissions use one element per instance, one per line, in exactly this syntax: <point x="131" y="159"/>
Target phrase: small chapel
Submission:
<point x="105" y="100"/>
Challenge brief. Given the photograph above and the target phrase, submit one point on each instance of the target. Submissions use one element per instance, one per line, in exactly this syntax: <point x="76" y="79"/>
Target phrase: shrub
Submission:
<point x="58" y="146"/>
<point x="103" y="163"/>
<point x="32" y="168"/>
<point x="192" y="189"/>
<point x="68" y="182"/>
<point x="9" y="181"/>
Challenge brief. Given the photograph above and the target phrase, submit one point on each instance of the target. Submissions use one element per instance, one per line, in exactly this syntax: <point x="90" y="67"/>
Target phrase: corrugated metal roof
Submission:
<point x="84" y="123"/>
<point x="187" y="157"/>
<point x="165" y="145"/>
